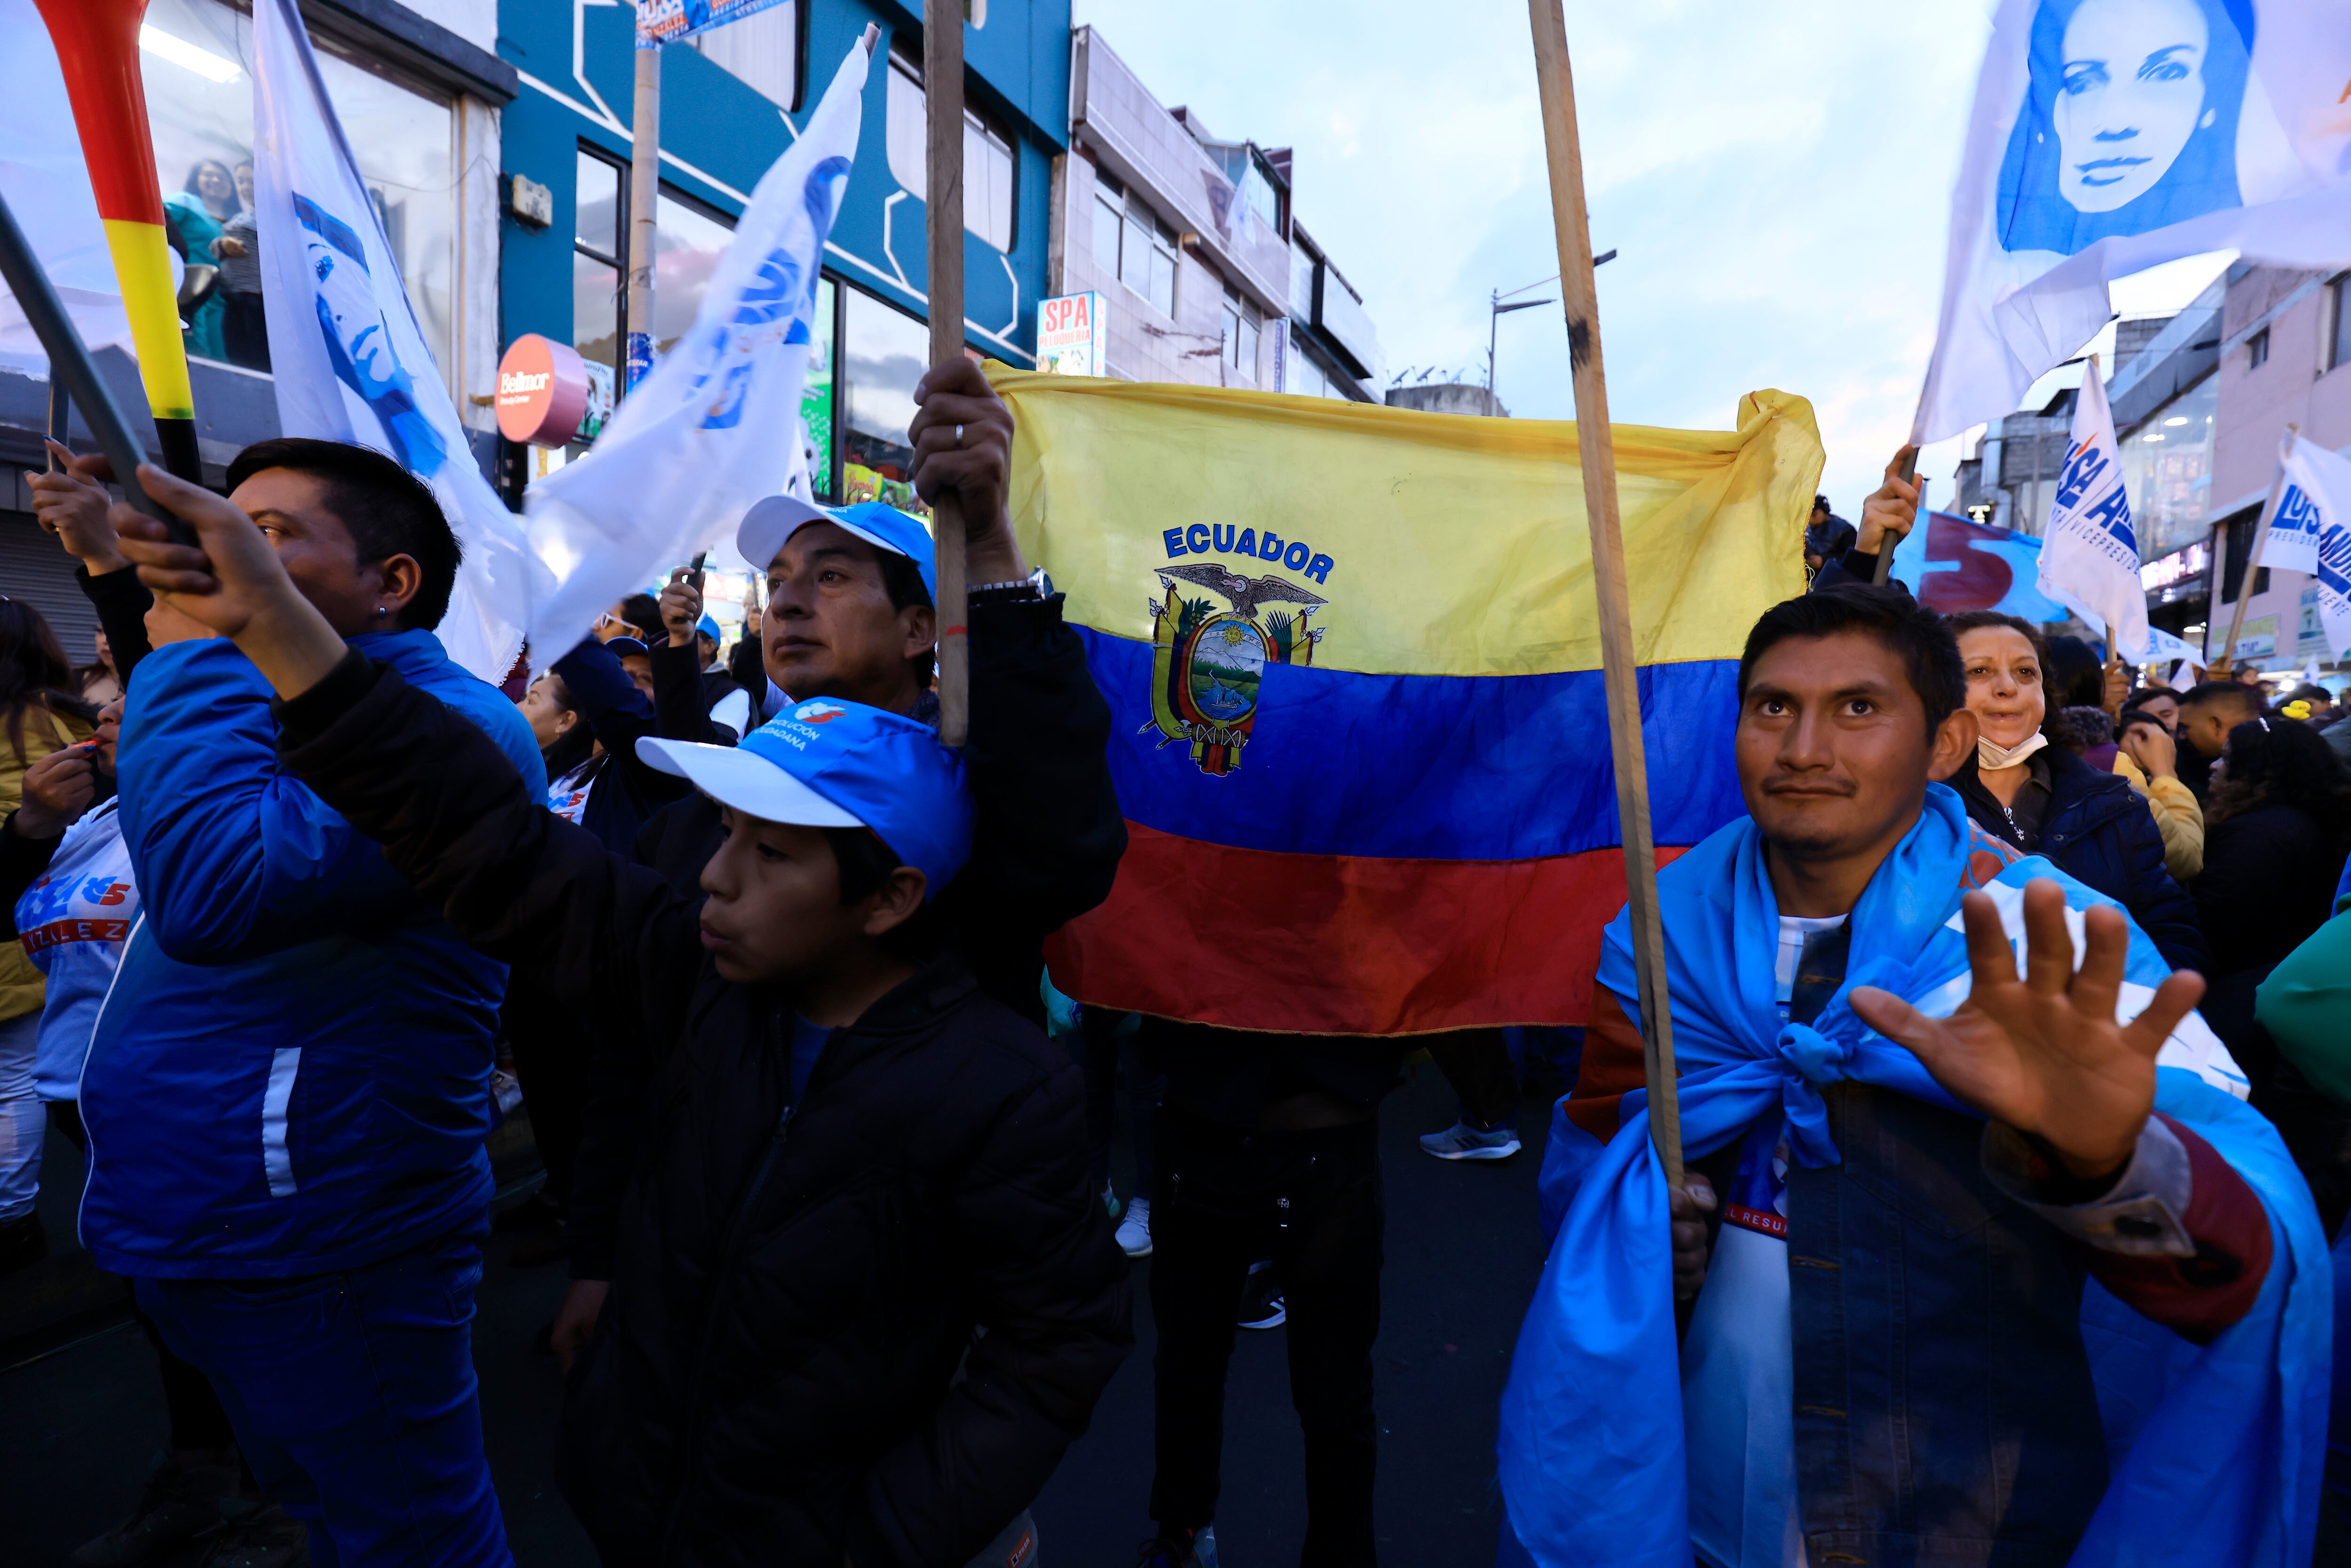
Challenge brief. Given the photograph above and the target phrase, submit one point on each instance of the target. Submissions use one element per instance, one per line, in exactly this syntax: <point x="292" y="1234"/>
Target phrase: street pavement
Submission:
<point x="80" y="1426"/>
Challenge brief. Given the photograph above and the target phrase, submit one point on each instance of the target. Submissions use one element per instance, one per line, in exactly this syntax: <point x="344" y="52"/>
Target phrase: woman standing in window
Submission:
<point x="199" y="210"/>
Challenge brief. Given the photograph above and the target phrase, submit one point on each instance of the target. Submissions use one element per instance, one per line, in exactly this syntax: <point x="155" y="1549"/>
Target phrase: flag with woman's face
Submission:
<point x="2109" y="136"/>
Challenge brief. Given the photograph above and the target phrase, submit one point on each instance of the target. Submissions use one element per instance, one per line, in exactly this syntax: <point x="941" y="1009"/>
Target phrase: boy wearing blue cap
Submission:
<point x="850" y="1159"/>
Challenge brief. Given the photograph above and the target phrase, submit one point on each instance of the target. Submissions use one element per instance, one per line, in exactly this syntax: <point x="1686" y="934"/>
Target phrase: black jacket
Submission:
<point x="2268" y="882"/>
<point x="773" y="1379"/>
<point x="628" y="789"/>
<point x="2099" y="832"/>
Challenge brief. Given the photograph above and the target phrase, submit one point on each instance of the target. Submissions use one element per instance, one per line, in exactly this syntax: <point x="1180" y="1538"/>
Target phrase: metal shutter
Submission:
<point x="35" y="568"/>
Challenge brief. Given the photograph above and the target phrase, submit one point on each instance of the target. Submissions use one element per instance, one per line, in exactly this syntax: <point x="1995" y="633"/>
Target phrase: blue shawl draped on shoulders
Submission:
<point x="2216" y="1450"/>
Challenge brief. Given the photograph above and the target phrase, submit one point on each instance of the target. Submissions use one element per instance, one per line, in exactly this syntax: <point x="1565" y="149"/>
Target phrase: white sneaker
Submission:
<point x="1134" y="1230"/>
<point x="1463" y="1142"/>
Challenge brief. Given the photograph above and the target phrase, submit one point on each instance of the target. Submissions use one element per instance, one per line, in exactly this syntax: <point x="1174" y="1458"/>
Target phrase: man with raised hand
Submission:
<point x="287" y="1093"/>
<point x="1967" y="1267"/>
<point x="861" y="1162"/>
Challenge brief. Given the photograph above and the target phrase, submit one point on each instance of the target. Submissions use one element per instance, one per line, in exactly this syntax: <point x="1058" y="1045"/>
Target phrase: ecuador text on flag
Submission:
<point x="1353" y="662"/>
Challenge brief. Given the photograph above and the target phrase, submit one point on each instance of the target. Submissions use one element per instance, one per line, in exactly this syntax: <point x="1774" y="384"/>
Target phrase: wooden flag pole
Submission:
<point x="2227" y="663"/>
<point x="1598" y="452"/>
<point x="943" y="171"/>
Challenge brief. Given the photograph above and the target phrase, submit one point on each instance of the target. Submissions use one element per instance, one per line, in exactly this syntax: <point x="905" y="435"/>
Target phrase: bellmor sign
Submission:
<point x="542" y="391"/>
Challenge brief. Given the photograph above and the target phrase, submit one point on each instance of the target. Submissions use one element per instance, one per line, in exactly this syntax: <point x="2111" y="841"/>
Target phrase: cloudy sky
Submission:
<point x="1776" y="180"/>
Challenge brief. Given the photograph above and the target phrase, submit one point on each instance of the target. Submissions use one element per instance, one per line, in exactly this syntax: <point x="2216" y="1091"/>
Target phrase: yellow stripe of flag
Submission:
<point x="1446" y="545"/>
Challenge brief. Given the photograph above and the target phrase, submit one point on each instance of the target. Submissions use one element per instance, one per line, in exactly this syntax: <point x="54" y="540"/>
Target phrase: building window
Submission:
<point x="2257" y="350"/>
<point x="688" y="240"/>
<point x="599" y="233"/>
<point x="988" y="160"/>
<point x="1143" y="248"/>
<point x="1109" y="218"/>
<point x="761" y="50"/>
<point x="197" y="64"/>
<point x="818" y="406"/>
<point x="2339" y="349"/>
<point x="1244" y="325"/>
<point x="884" y="353"/>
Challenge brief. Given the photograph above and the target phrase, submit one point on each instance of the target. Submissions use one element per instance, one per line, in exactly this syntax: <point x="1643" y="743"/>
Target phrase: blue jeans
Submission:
<point x="354" y="1401"/>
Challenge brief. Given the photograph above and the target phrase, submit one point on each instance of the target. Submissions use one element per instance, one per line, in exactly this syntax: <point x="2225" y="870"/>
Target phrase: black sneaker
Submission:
<point x="179" y="1504"/>
<point x="23" y="1243"/>
<point x="1262" y="1306"/>
<point x="266" y="1536"/>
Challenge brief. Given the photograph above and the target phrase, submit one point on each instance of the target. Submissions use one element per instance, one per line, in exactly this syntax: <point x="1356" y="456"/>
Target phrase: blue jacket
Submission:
<point x="291" y="1074"/>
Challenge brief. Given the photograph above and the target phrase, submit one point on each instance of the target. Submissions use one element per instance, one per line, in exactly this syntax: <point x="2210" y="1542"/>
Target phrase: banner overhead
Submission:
<point x="2109" y="136"/>
<point x="1352" y="659"/>
<point x="349" y="361"/>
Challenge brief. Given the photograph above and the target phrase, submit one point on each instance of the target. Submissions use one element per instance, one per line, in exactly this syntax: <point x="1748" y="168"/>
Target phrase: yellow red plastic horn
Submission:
<point x="97" y="45"/>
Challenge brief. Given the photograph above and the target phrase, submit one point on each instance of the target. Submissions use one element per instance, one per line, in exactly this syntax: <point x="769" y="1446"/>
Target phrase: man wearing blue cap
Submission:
<point x="849" y="616"/>
<point x="851" y="1159"/>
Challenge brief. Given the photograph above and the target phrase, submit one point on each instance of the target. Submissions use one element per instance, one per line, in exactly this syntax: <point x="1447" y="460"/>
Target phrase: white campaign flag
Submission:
<point x="349" y="359"/>
<point x="47" y="187"/>
<point x="2108" y="136"/>
<point x="2089" y="558"/>
<point x="2314" y="525"/>
<point x="714" y="427"/>
<point x="2312" y="486"/>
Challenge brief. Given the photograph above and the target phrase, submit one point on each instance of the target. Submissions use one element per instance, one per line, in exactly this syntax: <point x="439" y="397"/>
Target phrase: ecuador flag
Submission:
<point x="1353" y="662"/>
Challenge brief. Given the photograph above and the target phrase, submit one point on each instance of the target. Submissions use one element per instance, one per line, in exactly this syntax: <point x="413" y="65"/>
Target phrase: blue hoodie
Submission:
<point x="291" y="1073"/>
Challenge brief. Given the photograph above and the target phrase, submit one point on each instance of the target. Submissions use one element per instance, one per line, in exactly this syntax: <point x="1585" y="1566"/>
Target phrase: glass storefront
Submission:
<point x="596" y="244"/>
<point x="883" y="353"/>
<point x="816" y="392"/>
<point x="198" y="59"/>
<point x="2167" y="466"/>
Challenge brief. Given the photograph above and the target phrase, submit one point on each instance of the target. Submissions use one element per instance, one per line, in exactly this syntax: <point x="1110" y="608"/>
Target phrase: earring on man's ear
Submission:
<point x="378" y="611"/>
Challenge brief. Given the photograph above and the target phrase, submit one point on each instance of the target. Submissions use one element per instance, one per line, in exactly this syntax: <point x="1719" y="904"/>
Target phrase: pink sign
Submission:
<point x="542" y="390"/>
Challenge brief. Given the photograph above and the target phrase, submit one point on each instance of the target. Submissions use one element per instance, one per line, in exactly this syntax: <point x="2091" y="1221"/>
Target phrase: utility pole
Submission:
<point x="644" y="201"/>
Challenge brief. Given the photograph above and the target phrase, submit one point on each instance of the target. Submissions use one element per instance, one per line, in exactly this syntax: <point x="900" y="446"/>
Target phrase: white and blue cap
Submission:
<point x="709" y="627"/>
<point x="772" y="521"/>
<point x="826" y="763"/>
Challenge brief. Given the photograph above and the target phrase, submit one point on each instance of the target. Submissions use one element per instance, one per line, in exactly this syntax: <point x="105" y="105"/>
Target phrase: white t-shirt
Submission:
<point x="74" y="923"/>
<point x="567" y="796"/>
<point x="1739" y="1367"/>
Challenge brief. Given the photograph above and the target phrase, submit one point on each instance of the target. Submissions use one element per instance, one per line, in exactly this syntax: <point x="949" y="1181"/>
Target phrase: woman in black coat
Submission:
<point x="2047" y="801"/>
<point x="2276" y="830"/>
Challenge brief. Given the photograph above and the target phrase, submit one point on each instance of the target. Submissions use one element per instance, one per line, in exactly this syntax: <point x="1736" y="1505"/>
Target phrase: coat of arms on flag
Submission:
<point x="1208" y="665"/>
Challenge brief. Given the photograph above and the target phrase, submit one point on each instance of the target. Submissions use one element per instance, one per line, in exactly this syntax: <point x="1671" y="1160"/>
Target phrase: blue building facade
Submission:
<point x="732" y="102"/>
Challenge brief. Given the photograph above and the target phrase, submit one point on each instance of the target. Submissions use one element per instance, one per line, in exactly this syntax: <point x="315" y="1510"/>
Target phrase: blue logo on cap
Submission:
<point x="886" y="771"/>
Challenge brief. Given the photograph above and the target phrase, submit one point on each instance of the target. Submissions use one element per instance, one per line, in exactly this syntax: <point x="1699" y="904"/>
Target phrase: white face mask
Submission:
<point x="1991" y="756"/>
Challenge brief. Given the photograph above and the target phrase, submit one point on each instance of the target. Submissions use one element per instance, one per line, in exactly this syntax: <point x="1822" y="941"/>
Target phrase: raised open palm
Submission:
<point x="2045" y="1053"/>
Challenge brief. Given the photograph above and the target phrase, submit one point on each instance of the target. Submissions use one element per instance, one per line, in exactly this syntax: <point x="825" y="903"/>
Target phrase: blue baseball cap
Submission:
<point x="709" y="627"/>
<point x="774" y="520"/>
<point x="621" y="647"/>
<point x="826" y="763"/>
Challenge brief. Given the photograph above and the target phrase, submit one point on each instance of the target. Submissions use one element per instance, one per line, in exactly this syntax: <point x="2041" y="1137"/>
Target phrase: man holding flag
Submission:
<point x="1864" y="1332"/>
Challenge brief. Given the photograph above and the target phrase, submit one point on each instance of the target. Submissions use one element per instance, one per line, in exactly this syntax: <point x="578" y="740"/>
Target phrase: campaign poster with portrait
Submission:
<point x="2109" y="136"/>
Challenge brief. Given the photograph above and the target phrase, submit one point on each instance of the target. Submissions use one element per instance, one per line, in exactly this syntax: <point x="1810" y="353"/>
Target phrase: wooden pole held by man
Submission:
<point x="942" y="172"/>
<point x="1597" y="453"/>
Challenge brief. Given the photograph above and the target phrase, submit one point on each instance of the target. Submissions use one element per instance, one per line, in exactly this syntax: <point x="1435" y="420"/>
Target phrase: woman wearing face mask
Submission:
<point x="2048" y="802"/>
